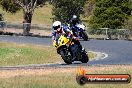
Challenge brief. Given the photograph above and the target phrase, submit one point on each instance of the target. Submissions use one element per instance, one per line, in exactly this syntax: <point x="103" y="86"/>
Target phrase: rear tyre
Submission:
<point x="84" y="36"/>
<point x="85" y="58"/>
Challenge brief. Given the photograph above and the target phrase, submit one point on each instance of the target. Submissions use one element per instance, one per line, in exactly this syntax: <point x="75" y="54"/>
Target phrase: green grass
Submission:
<point x="59" y="79"/>
<point x="18" y="54"/>
<point x="22" y="54"/>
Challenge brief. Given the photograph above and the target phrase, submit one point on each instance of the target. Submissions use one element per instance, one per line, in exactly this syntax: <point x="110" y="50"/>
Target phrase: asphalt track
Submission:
<point x="119" y="51"/>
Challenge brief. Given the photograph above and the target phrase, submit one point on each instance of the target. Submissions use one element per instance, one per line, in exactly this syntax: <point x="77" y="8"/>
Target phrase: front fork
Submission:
<point x="65" y="52"/>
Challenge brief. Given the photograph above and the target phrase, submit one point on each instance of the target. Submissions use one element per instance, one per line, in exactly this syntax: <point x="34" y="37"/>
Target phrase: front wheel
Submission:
<point x="66" y="56"/>
<point x="85" y="58"/>
<point x="84" y="36"/>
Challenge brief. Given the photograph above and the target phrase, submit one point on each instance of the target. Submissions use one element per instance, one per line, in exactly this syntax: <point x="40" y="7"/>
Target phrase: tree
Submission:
<point x="64" y="9"/>
<point x="110" y="13"/>
<point x="88" y="8"/>
<point x="28" y="7"/>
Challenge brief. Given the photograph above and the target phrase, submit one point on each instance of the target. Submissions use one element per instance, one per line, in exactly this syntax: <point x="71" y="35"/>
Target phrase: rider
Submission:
<point x="74" y="20"/>
<point x="58" y="30"/>
<point x="72" y="24"/>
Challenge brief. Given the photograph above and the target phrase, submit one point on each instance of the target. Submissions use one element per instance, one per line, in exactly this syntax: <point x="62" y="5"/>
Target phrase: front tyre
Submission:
<point x="66" y="56"/>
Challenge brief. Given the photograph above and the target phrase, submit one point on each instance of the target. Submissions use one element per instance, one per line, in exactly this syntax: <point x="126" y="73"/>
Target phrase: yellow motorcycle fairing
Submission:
<point x="62" y="41"/>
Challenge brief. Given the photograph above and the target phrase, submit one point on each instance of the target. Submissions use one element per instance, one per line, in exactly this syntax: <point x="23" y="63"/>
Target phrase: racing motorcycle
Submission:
<point x="79" y="31"/>
<point x="70" y="51"/>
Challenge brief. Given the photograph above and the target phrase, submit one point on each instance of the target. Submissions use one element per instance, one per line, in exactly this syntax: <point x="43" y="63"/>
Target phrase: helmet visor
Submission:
<point x="56" y="27"/>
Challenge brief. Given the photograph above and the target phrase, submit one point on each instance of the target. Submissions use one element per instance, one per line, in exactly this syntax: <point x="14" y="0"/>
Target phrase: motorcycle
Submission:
<point x="79" y="31"/>
<point x="70" y="51"/>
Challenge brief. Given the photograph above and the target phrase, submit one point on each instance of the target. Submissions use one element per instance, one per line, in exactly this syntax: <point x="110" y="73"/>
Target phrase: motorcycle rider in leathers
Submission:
<point x="58" y="29"/>
<point x="72" y="24"/>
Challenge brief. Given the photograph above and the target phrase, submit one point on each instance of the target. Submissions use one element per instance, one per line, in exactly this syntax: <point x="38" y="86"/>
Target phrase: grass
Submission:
<point x="23" y="54"/>
<point x="20" y="54"/>
<point x="40" y="16"/>
<point x="61" y="78"/>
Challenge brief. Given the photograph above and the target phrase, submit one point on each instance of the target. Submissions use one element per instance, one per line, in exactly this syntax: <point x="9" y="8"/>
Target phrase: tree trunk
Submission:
<point x="27" y="23"/>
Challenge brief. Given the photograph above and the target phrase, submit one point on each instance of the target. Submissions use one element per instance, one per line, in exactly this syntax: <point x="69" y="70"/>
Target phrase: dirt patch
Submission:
<point x="49" y="71"/>
<point x="32" y="31"/>
<point x="34" y="72"/>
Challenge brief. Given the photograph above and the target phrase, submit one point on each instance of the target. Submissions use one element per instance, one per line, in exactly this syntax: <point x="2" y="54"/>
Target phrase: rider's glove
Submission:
<point x="68" y="37"/>
<point x="75" y="38"/>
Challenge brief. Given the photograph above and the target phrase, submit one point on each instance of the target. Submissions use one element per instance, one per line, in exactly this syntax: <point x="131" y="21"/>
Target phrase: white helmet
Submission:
<point x="56" y="25"/>
<point x="74" y="16"/>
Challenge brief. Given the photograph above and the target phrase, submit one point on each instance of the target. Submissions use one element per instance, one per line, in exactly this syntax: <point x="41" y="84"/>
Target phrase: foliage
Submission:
<point x="110" y="13"/>
<point x="129" y="24"/>
<point x="28" y="7"/>
<point x="88" y="8"/>
<point x="9" y="6"/>
<point x="13" y="7"/>
<point x="64" y="9"/>
<point x="110" y="32"/>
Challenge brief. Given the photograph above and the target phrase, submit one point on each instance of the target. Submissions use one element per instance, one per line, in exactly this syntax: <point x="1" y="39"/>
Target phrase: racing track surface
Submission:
<point x="119" y="51"/>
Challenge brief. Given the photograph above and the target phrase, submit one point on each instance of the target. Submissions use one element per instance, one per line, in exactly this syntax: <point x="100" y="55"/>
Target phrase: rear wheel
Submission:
<point x="66" y="56"/>
<point x="85" y="58"/>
